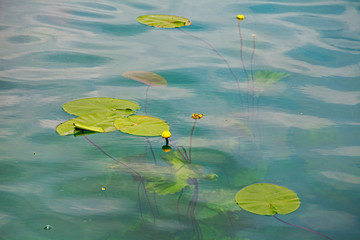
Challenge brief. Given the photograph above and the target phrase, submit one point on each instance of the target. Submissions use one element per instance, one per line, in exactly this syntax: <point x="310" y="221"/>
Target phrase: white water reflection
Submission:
<point x="348" y="151"/>
<point x="328" y="95"/>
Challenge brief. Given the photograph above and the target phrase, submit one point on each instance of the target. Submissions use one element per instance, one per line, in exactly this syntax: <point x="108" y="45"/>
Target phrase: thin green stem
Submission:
<point x="293" y="225"/>
<point x="191" y="136"/>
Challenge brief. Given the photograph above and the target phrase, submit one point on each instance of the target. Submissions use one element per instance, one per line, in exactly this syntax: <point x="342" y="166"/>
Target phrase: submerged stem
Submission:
<point x="243" y="64"/>
<point x="252" y="72"/>
<point x="293" y="225"/>
<point x="152" y="150"/>
<point x="178" y="204"/>
<point x="128" y="167"/>
<point x="146" y="98"/>
<point x="192" y="206"/>
<point x="182" y="155"/>
<point x="221" y="56"/>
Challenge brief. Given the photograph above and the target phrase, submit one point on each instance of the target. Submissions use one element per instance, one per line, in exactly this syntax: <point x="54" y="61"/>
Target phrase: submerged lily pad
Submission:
<point x="164" y="21"/>
<point x="220" y="200"/>
<point x="267" y="199"/>
<point x="96" y="122"/>
<point x="149" y="78"/>
<point x="141" y="125"/>
<point x="95" y="105"/>
<point x="166" y="179"/>
<point x="265" y="78"/>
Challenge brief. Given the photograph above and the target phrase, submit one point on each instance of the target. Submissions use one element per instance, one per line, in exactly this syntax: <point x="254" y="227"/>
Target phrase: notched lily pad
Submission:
<point x="164" y="21"/>
<point x="141" y="125"/>
<point x="95" y="105"/>
<point x="96" y="122"/>
<point x="149" y="78"/>
<point x="267" y="199"/>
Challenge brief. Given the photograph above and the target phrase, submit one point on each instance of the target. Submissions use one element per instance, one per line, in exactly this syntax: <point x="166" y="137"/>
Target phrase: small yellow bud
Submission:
<point x="240" y="17"/>
<point x="103" y="188"/>
<point x="197" y="115"/>
<point x="253" y="35"/>
<point x="166" y="134"/>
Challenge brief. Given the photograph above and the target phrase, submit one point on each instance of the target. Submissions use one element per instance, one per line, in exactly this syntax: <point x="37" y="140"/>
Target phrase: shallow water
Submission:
<point x="301" y="133"/>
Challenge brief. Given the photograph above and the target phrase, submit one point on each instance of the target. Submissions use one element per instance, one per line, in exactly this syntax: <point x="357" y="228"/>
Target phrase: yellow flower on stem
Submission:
<point x="197" y="115"/>
<point x="166" y="134"/>
<point x="240" y="17"/>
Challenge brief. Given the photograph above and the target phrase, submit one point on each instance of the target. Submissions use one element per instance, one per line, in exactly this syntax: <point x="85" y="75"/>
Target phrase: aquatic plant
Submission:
<point x="241" y="18"/>
<point x="166" y="135"/>
<point x="270" y="199"/>
<point x="109" y="114"/>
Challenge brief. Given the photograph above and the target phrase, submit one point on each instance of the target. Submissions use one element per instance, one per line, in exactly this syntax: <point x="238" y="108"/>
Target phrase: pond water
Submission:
<point x="301" y="132"/>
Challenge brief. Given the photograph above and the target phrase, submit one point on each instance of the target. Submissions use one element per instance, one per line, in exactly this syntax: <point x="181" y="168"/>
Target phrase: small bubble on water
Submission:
<point x="48" y="227"/>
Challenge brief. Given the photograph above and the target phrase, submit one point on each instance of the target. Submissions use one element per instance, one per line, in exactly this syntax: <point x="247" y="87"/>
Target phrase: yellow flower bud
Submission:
<point x="166" y="134"/>
<point x="240" y="17"/>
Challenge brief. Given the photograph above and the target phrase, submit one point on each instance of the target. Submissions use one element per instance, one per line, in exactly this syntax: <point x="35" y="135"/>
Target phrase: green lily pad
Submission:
<point x="149" y="78"/>
<point x="96" y="122"/>
<point x="95" y="105"/>
<point x="141" y="125"/>
<point x="164" y="21"/>
<point x="265" y="78"/>
<point x="267" y="199"/>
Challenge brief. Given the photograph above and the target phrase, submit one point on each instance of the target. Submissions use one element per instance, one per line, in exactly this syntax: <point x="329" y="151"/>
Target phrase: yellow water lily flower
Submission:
<point x="197" y="115"/>
<point x="240" y="17"/>
<point x="166" y="134"/>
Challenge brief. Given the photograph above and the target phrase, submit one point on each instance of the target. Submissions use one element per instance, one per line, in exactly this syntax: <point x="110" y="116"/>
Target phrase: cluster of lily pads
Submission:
<point x="107" y="115"/>
<point x="101" y="115"/>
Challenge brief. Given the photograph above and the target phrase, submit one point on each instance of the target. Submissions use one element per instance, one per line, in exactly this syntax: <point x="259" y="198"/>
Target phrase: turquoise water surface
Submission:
<point x="301" y="132"/>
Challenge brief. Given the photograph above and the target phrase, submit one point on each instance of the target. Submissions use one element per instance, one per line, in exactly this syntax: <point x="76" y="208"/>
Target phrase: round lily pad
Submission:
<point x="149" y="78"/>
<point x="267" y="199"/>
<point x="141" y="125"/>
<point x="164" y="21"/>
<point x="96" y="122"/>
<point x="94" y="105"/>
